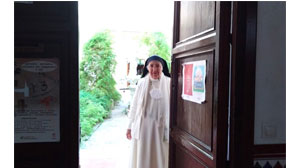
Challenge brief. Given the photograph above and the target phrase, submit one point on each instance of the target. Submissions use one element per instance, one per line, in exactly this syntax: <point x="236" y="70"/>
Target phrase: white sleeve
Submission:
<point x="167" y="117"/>
<point x="133" y="106"/>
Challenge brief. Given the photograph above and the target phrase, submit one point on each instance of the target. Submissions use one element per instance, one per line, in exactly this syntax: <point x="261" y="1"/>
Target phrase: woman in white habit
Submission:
<point x="148" y="127"/>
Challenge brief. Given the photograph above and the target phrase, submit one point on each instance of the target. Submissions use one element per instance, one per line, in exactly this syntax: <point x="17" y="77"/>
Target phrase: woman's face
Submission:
<point x="155" y="69"/>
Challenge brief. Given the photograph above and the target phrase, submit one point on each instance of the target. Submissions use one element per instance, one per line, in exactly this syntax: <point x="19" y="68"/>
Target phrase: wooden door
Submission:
<point x="198" y="136"/>
<point x="47" y="31"/>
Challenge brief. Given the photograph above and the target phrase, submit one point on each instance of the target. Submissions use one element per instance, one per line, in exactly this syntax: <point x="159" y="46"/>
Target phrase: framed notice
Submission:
<point x="194" y="75"/>
<point x="36" y="100"/>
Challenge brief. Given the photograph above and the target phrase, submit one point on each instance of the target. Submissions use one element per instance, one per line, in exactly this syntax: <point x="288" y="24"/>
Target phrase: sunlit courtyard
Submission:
<point x="134" y="32"/>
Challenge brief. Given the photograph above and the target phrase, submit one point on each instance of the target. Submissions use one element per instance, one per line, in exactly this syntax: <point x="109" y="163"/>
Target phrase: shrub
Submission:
<point x="91" y="113"/>
<point x="157" y="45"/>
<point x="97" y="85"/>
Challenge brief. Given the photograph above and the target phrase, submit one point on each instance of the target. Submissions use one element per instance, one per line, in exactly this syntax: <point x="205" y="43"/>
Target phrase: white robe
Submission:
<point x="150" y="147"/>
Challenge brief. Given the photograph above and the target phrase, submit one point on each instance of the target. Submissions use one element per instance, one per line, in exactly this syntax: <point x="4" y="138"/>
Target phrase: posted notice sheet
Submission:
<point x="37" y="107"/>
<point x="194" y="75"/>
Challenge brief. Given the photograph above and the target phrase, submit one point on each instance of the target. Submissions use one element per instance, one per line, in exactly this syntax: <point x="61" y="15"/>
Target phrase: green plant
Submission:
<point x="97" y="85"/>
<point x="98" y="65"/>
<point x="91" y="113"/>
<point x="157" y="45"/>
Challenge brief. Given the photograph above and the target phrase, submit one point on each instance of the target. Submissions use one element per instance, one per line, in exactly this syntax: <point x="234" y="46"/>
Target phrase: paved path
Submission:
<point x="108" y="146"/>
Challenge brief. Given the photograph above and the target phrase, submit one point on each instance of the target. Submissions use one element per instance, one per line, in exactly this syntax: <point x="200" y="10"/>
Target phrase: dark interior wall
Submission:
<point x="270" y="100"/>
<point x="50" y="30"/>
<point x="270" y="85"/>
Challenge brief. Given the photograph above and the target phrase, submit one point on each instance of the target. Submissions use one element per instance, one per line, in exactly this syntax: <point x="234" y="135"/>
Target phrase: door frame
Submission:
<point x="244" y="30"/>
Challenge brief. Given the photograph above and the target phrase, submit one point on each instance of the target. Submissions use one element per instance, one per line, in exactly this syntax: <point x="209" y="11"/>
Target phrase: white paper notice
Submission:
<point x="194" y="75"/>
<point x="37" y="110"/>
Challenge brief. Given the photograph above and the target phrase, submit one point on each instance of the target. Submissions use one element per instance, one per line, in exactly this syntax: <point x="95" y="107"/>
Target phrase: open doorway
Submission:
<point x="126" y="26"/>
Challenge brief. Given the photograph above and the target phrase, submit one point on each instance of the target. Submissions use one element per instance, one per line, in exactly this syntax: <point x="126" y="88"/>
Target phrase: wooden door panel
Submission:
<point x="183" y="159"/>
<point x="190" y="113"/>
<point x="198" y="135"/>
<point x="196" y="18"/>
<point x="196" y="149"/>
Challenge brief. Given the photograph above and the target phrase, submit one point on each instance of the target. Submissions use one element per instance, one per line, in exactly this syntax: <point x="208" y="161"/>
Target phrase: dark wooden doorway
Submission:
<point x="49" y="30"/>
<point x="198" y="131"/>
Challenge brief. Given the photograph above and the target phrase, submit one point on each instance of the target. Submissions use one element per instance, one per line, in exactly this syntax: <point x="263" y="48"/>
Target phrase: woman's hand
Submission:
<point x="128" y="134"/>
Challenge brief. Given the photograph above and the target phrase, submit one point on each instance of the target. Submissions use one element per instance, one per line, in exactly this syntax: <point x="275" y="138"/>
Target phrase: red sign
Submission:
<point x="188" y="74"/>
